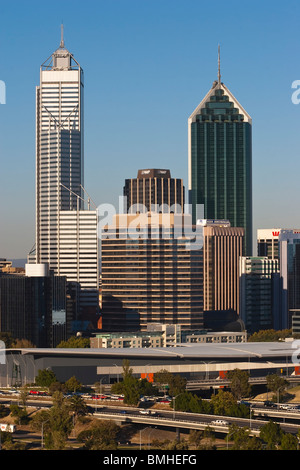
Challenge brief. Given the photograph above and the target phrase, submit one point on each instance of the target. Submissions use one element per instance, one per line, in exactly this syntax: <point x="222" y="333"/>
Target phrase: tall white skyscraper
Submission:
<point x="59" y="149"/>
<point x="66" y="233"/>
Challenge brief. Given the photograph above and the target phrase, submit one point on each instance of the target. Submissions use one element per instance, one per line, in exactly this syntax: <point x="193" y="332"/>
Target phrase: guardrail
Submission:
<point x="195" y="384"/>
<point x="174" y="422"/>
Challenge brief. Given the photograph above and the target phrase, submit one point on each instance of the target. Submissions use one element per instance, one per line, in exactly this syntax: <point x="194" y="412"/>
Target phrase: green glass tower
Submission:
<point x="220" y="161"/>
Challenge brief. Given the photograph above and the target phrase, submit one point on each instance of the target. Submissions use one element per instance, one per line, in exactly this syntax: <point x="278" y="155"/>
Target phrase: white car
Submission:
<point x="220" y="422"/>
<point x="144" y="412"/>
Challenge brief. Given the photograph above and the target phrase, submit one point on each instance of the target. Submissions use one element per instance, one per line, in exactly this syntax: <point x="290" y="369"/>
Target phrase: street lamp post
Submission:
<point x="227" y="438"/>
<point x="142" y="430"/>
<point x="250" y="416"/>
<point x="174" y="403"/>
<point x="42" y="437"/>
<point x="150" y="435"/>
<point x="117" y="372"/>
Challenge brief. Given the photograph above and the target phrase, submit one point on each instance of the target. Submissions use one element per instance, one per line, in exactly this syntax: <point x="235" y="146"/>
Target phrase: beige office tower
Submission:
<point x="151" y="273"/>
<point x="222" y="247"/>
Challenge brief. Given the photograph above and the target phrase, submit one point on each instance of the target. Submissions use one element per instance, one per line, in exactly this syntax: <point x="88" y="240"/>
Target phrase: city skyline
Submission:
<point x="151" y="86"/>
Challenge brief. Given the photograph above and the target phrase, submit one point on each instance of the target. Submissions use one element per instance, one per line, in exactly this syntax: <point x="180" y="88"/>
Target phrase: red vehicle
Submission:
<point x="37" y="392"/>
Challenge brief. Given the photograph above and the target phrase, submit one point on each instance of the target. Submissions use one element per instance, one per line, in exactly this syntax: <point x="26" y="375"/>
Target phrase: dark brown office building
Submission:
<point x="154" y="190"/>
<point x="152" y="278"/>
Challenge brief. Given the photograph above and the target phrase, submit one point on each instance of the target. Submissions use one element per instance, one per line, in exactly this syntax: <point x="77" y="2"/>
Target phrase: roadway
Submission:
<point x="185" y="420"/>
<point x="179" y="419"/>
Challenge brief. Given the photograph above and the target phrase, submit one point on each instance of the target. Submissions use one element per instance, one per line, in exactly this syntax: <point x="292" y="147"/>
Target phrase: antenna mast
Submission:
<point x="62" y="42"/>
<point x="219" y="66"/>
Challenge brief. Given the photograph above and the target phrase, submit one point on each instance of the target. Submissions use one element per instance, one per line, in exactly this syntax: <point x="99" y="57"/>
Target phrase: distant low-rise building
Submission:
<point x="139" y="339"/>
<point x="218" y="337"/>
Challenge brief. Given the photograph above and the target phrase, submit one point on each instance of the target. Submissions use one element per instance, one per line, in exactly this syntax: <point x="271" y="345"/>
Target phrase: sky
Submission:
<point x="147" y="65"/>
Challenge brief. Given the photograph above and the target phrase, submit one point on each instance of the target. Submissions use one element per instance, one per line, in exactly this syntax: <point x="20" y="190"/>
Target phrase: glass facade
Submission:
<point x="221" y="162"/>
<point x="259" y="289"/>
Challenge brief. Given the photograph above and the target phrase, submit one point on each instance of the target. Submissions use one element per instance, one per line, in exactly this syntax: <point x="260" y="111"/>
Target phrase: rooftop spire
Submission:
<point x="62" y="43"/>
<point x="219" y="66"/>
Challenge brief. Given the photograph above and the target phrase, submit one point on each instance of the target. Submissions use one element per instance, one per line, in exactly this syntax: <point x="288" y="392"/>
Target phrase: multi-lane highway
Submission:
<point x="289" y="420"/>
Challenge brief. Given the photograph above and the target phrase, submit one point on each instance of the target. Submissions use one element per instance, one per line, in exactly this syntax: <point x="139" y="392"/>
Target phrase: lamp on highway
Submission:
<point x="150" y="435"/>
<point x="227" y="438"/>
<point x="174" y="403"/>
<point x="42" y="438"/>
<point x="142" y="430"/>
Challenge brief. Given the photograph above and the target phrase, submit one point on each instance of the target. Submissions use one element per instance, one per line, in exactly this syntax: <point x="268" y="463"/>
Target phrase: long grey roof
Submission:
<point x="186" y="350"/>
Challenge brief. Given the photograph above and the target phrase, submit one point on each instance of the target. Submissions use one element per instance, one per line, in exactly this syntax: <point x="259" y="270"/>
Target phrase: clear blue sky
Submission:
<point x="147" y="65"/>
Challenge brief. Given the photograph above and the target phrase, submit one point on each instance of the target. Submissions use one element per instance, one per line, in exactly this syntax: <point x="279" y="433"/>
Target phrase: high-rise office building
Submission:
<point x="267" y="242"/>
<point x="289" y="255"/>
<point x="150" y="271"/>
<point x="259" y="292"/>
<point x="220" y="160"/>
<point x="222" y="248"/>
<point x="66" y="233"/>
<point x="34" y="307"/>
<point x="78" y="255"/>
<point x="154" y="189"/>
<point x="59" y="149"/>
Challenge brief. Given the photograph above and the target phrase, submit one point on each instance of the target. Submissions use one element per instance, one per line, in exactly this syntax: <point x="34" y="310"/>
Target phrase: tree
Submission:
<point x="242" y="439"/>
<point x="7" y="339"/>
<point x="75" y="342"/>
<point x="276" y="384"/>
<point x="269" y="335"/>
<point x="57" y="387"/>
<point x="73" y="385"/>
<point x="40" y="420"/>
<point x="202" y="440"/>
<point x="6" y="439"/>
<point x="223" y="402"/>
<point x="59" y="425"/>
<point x="170" y="445"/>
<point x="173" y="382"/>
<point x="45" y="378"/>
<point x="101" y="436"/>
<point x="4" y="411"/>
<point x="22" y="343"/>
<point x="24" y="395"/>
<point x="271" y="434"/>
<point x="239" y="383"/>
<point x="20" y="414"/>
<point x="289" y="442"/>
<point x="130" y="386"/>
<point x="195" y="438"/>
<point x="78" y="406"/>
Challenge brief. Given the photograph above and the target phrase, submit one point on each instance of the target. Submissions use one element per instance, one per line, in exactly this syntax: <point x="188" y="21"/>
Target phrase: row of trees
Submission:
<point x="16" y="343"/>
<point x="57" y="423"/>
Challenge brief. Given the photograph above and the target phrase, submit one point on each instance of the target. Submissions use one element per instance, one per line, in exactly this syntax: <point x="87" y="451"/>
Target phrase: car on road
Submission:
<point x="220" y="422"/>
<point x="270" y="404"/>
<point x="284" y="407"/>
<point x="145" y="412"/>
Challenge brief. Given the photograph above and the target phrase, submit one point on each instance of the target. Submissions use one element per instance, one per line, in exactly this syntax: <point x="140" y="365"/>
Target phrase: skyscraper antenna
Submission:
<point x="62" y="43"/>
<point x="219" y="66"/>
